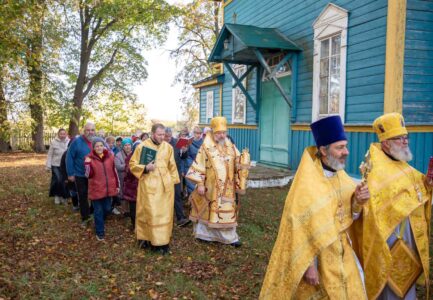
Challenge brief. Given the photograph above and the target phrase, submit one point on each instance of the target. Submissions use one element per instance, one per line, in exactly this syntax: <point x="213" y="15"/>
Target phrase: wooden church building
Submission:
<point x="286" y="63"/>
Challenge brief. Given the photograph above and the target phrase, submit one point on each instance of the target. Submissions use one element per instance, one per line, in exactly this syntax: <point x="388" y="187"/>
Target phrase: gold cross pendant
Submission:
<point x="340" y="214"/>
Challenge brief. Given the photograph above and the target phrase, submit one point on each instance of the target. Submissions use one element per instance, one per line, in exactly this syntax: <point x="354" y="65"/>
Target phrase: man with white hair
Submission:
<point x="393" y="231"/>
<point x="75" y="156"/>
<point x="215" y="169"/>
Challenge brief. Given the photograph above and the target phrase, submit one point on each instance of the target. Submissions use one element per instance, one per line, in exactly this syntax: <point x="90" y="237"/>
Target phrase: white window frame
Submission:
<point x="238" y="95"/>
<point x="333" y="20"/>
<point x="209" y="105"/>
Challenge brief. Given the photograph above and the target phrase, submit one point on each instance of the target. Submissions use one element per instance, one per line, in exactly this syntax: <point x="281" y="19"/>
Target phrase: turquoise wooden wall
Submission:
<point x="216" y="102"/>
<point x="365" y="53"/>
<point x="365" y="71"/>
<point x="246" y="138"/>
<point x="421" y="145"/>
<point x="418" y="63"/>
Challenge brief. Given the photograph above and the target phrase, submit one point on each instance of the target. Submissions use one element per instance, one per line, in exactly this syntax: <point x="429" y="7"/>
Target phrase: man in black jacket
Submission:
<point x="178" y="155"/>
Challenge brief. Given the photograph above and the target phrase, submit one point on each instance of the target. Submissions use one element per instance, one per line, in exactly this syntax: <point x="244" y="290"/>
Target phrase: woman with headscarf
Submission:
<point x="103" y="183"/>
<point x="125" y="150"/>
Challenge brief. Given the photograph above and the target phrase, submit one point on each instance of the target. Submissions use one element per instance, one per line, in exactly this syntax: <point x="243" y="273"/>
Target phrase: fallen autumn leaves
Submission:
<point x="44" y="254"/>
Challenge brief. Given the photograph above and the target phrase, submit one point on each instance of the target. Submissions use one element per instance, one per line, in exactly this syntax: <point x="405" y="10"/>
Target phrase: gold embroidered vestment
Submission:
<point x="315" y="222"/>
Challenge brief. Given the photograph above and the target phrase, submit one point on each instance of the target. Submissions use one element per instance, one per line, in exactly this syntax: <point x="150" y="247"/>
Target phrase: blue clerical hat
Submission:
<point x="328" y="130"/>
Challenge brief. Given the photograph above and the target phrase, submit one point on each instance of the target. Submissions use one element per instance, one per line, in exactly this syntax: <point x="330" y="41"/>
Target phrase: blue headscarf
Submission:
<point x="126" y="141"/>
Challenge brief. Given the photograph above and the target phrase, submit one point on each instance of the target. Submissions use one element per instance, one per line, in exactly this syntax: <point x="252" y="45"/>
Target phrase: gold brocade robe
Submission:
<point x="215" y="167"/>
<point x="315" y="223"/>
<point x="155" y="196"/>
<point x="393" y="199"/>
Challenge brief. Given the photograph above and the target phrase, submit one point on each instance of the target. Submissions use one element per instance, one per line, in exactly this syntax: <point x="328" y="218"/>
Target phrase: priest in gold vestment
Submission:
<point x="393" y="232"/>
<point x="217" y="173"/>
<point x="312" y="256"/>
<point x="155" y="195"/>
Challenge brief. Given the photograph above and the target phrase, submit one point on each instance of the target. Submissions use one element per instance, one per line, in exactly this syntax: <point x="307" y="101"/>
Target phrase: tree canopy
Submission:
<point x="60" y="58"/>
<point x="199" y="25"/>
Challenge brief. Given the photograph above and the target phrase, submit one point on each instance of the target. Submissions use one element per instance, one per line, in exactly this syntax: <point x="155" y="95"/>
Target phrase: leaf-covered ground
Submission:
<point x="45" y="254"/>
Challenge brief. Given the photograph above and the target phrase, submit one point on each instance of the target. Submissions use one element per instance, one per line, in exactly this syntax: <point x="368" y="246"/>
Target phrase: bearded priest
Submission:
<point x="155" y="194"/>
<point x="312" y="257"/>
<point x="394" y="228"/>
<point x="219" y="171"/>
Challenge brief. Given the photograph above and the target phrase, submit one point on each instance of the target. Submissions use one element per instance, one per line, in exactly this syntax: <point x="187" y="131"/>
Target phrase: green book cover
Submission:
<point x="147" y="155"/>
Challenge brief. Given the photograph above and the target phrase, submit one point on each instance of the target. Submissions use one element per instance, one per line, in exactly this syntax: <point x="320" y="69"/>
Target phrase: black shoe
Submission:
<point x="236" y="244"/>
<point x="162" y="250"/>
<point x="183" y="222"/>
<point x="143" y="244"/>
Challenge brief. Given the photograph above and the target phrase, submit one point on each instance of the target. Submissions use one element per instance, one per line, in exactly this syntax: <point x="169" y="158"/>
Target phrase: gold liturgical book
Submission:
<point x="405" y="270"/>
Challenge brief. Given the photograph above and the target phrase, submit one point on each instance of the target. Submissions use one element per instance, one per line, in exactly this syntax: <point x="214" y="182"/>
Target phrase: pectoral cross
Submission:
<point x="340" y="214"/>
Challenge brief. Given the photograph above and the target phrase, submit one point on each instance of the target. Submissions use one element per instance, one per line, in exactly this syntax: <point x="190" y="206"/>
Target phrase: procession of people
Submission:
<point x="338" y="238"/>
<point x="108" y="176"/>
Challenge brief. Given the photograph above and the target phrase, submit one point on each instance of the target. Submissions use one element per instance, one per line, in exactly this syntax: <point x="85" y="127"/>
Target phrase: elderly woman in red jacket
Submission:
<point x="103" y="183"/>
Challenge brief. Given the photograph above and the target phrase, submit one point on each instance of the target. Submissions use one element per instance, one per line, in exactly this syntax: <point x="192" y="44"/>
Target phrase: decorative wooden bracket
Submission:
<point x="239" y="82"/>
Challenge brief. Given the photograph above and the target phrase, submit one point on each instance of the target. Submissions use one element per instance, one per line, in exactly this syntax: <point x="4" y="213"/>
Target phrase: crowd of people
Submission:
<point x="337" y="239"/>
<point x="104" y="176"/>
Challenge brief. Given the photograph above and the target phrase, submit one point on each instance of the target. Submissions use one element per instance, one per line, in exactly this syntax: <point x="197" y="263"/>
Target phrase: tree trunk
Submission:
<point x="216" y="25"/>
<point x="34" y="69"/>
<point x="4" y="126"/>
<point x="36" y="110"/>
<point x="74" y="123"/>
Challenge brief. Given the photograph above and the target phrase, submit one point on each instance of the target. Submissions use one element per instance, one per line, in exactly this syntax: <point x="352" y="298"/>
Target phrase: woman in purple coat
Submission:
<point x="130" y="185"/>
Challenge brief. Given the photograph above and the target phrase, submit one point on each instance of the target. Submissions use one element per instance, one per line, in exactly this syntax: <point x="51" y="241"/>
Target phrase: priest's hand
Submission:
<point x="201" y="189"/>
<point x="362" y="194"/>
<point x="311" y="276"/>
<point x="150" y="166"/>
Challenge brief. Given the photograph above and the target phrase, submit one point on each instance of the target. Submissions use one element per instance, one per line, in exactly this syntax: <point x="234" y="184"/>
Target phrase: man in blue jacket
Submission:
<point x="77" y="151"/>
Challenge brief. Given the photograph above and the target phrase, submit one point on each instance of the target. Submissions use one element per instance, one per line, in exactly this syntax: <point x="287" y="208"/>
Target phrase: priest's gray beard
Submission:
<point x="400" y="153"/>
<point x="334" y="163"/>
<point x="221" y="142"/>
